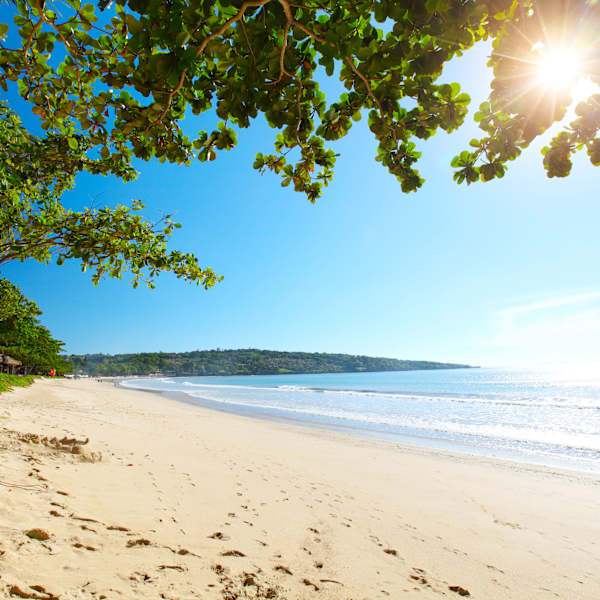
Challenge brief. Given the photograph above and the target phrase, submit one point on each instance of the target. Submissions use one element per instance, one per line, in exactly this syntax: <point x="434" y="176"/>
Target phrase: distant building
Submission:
<point x="9" y="365"/>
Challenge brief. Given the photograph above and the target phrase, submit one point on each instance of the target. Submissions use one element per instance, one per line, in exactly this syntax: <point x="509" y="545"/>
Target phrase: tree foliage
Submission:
<point x="23" y="337"/>
<point x="241" y="362"/>
<point x="113" y="82"/>
<point x="34" y="223"/>
<point x="520" y="107"/>
<point x="14" y="305"/>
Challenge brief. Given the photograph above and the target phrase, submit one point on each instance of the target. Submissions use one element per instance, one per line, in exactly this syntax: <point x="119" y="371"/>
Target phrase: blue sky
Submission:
<point x="492" y="274"/>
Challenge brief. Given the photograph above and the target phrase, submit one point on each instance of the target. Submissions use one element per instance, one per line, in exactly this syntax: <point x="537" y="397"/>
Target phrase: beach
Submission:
<point x="141" y="496"/>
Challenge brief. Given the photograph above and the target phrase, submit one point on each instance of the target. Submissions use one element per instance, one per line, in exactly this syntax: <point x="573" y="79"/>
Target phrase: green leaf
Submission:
<point x="107" y="96"/>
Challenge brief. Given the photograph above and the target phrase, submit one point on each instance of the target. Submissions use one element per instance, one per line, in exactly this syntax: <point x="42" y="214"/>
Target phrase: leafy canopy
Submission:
<point x="14" y="305"/>
<point x="34" y="172"/>
<point x="23" y="337"/>
<point x="114" y="81"/>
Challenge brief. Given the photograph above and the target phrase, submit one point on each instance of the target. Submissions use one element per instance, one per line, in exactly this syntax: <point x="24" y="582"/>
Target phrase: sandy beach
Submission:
<point x="139" y="496"/>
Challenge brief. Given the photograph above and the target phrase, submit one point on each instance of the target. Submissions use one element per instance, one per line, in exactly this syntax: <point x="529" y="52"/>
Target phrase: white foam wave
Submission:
<point x="489" y="399"/>
<point x="508" y="433"/>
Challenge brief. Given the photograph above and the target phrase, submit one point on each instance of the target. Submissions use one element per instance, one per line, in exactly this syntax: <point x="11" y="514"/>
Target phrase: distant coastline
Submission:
<point x="241" y="362"/>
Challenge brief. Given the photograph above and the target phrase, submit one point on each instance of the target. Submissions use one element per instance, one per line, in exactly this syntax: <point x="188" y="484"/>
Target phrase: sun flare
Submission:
<point x="560" y="70"/>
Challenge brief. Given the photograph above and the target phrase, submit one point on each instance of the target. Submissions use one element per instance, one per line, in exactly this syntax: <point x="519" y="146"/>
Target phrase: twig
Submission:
<point x="30" y="38"/>
<point x="282" y="69"/>
<point x="350" y="62"/>
<point x="309" y="32"/>
<point x="34" y="487"/>
<point x="68" y="45"/>
<point x="248" y="42"/>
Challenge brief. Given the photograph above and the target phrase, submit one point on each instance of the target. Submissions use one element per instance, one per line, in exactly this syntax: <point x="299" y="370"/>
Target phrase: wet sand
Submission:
<point x="141" y="496"/>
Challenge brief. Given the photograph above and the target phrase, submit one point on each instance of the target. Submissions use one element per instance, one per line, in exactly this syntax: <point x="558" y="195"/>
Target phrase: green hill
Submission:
<point x="241" y="362"/>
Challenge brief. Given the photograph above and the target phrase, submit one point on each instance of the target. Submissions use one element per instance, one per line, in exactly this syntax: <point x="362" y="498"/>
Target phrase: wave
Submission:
<point x="533" y="421"/>
<point x="507" y="433"/>
<point x="463" y="398"/>
<point x="446" y="397"/>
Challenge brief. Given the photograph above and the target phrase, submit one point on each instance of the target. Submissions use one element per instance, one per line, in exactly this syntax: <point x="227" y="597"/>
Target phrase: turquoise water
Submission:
<point x="542" y="417"/>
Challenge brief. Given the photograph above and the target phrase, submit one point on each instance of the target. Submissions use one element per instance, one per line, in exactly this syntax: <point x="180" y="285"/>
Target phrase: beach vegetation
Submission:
<point x="23" y="337"/>
<point x="35" y="224"/>
<point x="111" y="82"/>
<point x="7" y="382"/>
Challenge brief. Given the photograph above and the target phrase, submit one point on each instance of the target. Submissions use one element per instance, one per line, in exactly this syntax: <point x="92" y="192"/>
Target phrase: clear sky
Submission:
<point x="492" y="274"/>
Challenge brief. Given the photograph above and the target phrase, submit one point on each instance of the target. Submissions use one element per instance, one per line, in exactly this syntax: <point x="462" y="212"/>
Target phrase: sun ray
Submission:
<point x="517" y="58"/>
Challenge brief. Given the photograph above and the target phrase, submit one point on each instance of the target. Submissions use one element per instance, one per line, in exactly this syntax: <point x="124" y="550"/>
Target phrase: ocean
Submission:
<point x="542" y="417"/>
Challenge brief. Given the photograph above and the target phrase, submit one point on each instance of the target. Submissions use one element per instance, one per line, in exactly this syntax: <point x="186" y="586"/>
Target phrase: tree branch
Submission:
<point x="250" y="49"/>
<point x="282" y="69"/>
<point x="245" y="5"/>
<point x="31" y="35"/>
<point x="367" y="83"/>
<point x="306" y="30"/>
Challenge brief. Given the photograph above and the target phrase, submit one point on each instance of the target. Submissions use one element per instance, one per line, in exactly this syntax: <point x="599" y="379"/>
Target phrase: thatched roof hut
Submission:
<point x="8" y="364"/>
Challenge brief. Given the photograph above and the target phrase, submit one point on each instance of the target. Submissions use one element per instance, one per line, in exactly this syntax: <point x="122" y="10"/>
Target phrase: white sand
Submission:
<point x="324" y="506"/>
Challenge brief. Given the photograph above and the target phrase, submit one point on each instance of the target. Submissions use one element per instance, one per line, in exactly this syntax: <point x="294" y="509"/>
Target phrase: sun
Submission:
<point x="561" y="70"/>
<point x="558" y="69"/>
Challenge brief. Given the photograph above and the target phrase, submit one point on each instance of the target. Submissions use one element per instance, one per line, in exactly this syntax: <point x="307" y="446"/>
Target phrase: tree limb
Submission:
<point x="370" y="93"/>
<point x="31" y="35"/>
<point x="245" y="5"/>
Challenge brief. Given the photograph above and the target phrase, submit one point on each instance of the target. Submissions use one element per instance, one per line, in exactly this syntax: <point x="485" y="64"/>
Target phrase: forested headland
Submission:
<point x="241" y="362"/>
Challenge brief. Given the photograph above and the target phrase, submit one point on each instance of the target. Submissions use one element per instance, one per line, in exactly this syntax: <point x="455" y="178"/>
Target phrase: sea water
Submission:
<point x="542" y="417"/>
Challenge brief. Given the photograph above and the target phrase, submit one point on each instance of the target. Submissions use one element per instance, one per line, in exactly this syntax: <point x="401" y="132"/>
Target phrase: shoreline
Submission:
<point x="236" y="507"/>
<point x="408" y="439"/>
<point x="349" y="434"/>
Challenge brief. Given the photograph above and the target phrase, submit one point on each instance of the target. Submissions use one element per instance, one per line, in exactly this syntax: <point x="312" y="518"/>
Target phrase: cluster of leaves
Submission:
<point x="23" y="337"/>
<point x="113" y="82"/>
<point x="241" y="362"/>
<point x="520" y="107"/>
<point x="34" y="172"/>
<point x="127" y="80"/>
